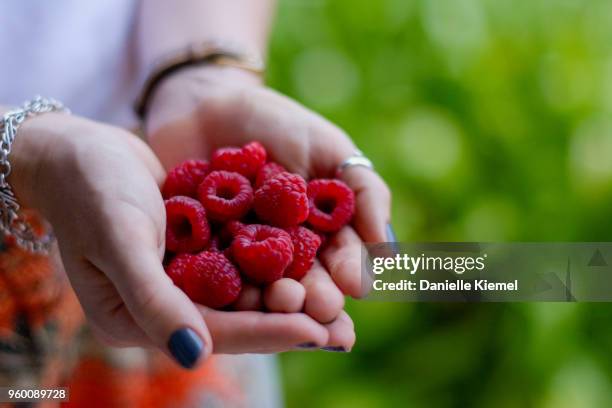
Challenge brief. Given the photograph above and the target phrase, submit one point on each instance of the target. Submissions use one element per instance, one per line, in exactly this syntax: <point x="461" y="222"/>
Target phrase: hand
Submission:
<point x="98" y="186"/>
<point x="197" y="110"/>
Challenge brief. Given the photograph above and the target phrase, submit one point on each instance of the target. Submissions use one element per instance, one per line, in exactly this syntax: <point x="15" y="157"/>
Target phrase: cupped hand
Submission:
<point x="99" y="187"/>
<point x="198" y="110"/>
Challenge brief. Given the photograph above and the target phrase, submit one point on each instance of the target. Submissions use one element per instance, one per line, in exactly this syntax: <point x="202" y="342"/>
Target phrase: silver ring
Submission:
<point x="357" y="159"/>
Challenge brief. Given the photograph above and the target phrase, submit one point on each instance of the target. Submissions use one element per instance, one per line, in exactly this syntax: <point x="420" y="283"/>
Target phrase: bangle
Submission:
<point x="12" y="223"/>
<point x="213" y="53"/>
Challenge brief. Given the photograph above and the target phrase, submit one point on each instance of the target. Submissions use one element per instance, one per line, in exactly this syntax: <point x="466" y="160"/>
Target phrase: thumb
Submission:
<point x="167" y="316"/>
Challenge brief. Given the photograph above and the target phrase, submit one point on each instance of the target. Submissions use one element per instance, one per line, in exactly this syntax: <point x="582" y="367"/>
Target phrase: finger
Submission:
<point x="372" y="203"/>
<point x="342" y="258"/>
<point x="257" y="332"/>
<point x="162" y="310"/>
<point x="284" y="296"/>
<point x="341" y="334"/>
<point x="249" y="298"/>
<point x="111" y="338"/>
<point x="324" y="301"/>
<point x="330" y="147"/>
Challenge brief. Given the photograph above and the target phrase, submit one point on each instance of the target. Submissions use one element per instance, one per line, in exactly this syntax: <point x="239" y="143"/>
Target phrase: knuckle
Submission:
<point x="145" y="296"/>
<point x="345" y="265"/>
<point x="150" y="308"/>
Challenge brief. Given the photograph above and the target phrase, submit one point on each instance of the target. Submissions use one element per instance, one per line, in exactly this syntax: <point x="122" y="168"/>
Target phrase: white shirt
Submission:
<point x="79" y="52"/>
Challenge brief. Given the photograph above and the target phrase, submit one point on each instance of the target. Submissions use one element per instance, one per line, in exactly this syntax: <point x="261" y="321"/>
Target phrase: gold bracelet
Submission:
<point x="203" y="53"/>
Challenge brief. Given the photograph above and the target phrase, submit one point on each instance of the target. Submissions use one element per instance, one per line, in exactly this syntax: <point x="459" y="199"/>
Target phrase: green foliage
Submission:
<point x="490" y="120"/>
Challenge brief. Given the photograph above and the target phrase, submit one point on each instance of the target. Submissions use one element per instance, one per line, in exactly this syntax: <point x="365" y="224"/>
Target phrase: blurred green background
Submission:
<point x="491" y="121"/>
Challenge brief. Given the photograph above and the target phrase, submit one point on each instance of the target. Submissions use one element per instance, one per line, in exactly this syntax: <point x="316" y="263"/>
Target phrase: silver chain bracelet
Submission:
<point x="12" y="223"/>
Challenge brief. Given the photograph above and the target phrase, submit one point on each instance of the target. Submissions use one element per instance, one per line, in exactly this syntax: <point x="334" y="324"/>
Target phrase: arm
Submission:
<point x="199" y="108"/>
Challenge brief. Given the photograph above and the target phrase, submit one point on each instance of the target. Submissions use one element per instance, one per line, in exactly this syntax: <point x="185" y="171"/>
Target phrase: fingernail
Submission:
<point x="337" y="349"/>
<point x="186" y="347"/>
<point x="390" y="234"/>
<point x="308" y="345"/>
<point x="392" y="239"/>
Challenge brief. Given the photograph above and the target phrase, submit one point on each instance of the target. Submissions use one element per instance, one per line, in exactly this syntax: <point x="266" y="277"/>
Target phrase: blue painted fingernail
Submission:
<point x="336" y="349"/>
<point x="308" y="345"/>
<point x="186" y="347"/>
<point x="391" y="237"/>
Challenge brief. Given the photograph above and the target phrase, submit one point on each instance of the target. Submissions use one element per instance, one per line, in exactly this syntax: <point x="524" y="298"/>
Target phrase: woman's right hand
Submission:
<point x="99" y="187"/>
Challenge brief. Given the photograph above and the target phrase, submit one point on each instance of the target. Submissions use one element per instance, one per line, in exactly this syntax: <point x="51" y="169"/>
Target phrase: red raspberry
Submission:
<point x="266" y="172"/>
<point x="305" y="246"/>
<point x="332" y="204"/>
<point x="176" y="268"/>
<point x="282" y="200"/>
<point x="229" y="232"/>
<point x="256" y="153"/>
<point x="211" y="280"/>
<point x="215" y="244"/>
<point x="323" y="237"/>
<point x="226" y="196"/>
<point x="246" y="160"/>
<point x="185" y="178"/>
<point x="262" y="252"/>
<point x="187" y="229"/>
<point x="223" y="240"/>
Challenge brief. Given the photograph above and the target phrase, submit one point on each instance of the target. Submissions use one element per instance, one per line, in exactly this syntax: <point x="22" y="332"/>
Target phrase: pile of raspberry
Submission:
<point x="241" y="218"/>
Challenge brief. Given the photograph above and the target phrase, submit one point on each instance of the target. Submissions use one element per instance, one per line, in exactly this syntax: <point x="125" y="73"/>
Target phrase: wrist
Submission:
<point x="211" y="73"/>
<point x="196" y="58"/>
<point x="188" y="85"/>
<point x="32" y="146"/>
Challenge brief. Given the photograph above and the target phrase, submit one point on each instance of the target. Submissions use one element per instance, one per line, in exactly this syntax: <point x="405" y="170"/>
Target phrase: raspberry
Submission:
<point x="215" y="244"/>
<point x="226" y="196"/>
<point x="187" y="229"/>
<point x="282" y="200"/>
<point x="305" y="246"/>
<point x="267" y="171"/>
<point x="255" y="153"/>
<point x="229" y="232"/>
<point x="332" y="204"/>
<point x="262" y="252"/>
<point x="211" y="280"/>
<point x="323" y="237"/>
<point x="185" y="178"/>
<point x="223" y="240"/>
<point x="176" y="268"/>
<point x="246" y="160"/>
